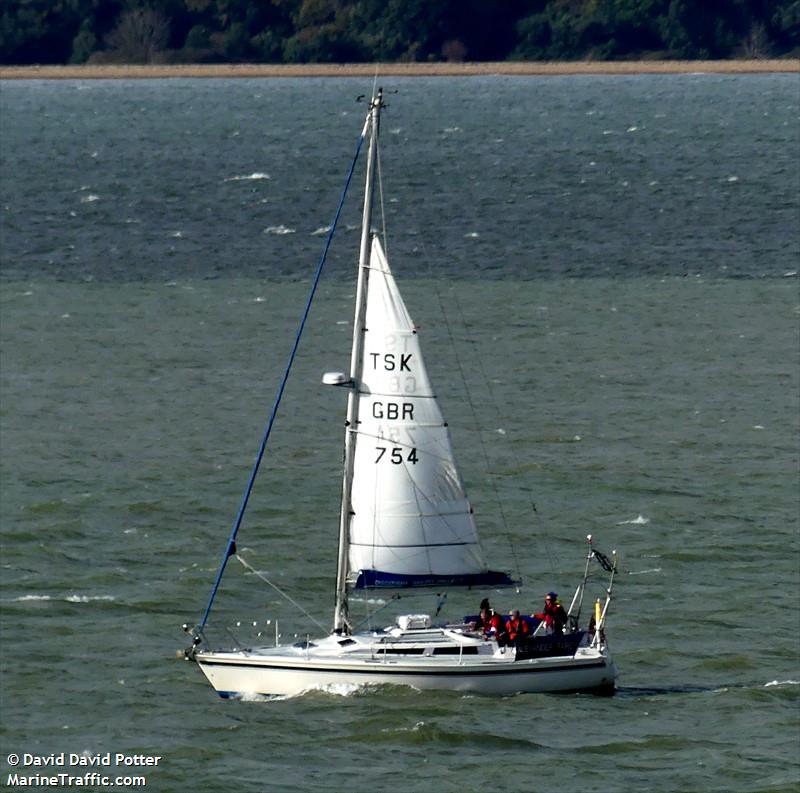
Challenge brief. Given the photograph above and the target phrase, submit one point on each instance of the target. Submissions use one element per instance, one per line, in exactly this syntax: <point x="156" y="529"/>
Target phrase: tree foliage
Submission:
<point x="325" y="31"/>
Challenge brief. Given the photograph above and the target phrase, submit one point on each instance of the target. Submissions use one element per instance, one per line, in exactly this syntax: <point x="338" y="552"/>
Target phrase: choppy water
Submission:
<point x="616" y="263"/>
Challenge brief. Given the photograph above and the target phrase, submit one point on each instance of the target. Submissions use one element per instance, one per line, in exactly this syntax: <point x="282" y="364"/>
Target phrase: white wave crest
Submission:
<point x="645" y="572"/>
<point x="335" y="689"/>
<point x="338" y="689"/>
<point x="251" y="177"/>
<point x="65" y="598"/>
<point x="88" y="598"/>
<point x="639" y="520"/>
<point x="416" y="728"/>
<point x="258" y="697"/>
<point x="278" y="230"/>
<point x="318" y="232"/>
<point x="773" y="683"/>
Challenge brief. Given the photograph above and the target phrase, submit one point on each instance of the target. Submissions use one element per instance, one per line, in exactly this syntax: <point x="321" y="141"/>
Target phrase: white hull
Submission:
<point x="290" y="671"/>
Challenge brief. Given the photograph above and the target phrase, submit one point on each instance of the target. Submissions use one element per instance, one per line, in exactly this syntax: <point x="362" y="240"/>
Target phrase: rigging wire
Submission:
<point x="470" y="401"/>
<point x="544" y="534"/>
<point x="230" y="548"/>
<point x="370" y="614"/>
<point x="380" y="194"/>
<point x="494" y="401"/>
<point x="375" y="81"/>
<point x="291" y="600"/>
<point x="380" y="175"/>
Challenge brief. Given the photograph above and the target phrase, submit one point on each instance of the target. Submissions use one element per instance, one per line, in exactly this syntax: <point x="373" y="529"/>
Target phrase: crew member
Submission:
<point x="489" y="622"/>
<point x="554" y="616"/>
<point x="494" y="628"/>
<point x="516" y="627"/>
<point x="485" y="611"/>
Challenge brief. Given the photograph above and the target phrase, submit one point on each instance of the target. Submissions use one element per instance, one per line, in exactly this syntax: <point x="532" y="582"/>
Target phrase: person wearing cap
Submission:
<point x="516" y="627"/>
<point x="554" y="616"/>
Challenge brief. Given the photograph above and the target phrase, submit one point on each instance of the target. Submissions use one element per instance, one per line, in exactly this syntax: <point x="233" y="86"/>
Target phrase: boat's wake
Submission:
<point x="339" y="689"/>
<point x="331" y="689"/>
<point x="636" y="692"/>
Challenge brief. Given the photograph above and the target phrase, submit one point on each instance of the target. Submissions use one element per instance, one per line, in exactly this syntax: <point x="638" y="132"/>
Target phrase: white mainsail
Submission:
<point x="412" y="520"/>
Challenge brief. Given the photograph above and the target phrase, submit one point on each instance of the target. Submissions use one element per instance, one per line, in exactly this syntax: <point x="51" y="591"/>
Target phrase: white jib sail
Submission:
<point x="411" y="515"/>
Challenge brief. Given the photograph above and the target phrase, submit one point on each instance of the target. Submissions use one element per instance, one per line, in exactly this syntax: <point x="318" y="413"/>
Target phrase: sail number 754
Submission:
<point x="396" y="456"/>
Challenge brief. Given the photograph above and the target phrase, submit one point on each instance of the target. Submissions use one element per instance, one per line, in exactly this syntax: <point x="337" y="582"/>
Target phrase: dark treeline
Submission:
<point x="330" y="31"/>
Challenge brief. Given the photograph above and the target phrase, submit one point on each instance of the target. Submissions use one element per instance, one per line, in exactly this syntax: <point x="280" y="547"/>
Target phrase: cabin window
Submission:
<point x="455" y="651"/>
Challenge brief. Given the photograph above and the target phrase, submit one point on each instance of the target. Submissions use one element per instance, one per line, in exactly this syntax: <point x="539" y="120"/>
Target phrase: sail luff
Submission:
<point x="372" y="125"/>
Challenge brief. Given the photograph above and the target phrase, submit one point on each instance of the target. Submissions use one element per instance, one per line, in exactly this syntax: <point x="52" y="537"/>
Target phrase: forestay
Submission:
<point x="412" y="522"/>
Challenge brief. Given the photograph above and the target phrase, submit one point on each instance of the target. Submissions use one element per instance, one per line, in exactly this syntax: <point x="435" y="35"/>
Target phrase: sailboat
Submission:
<point x="405" y="522"/>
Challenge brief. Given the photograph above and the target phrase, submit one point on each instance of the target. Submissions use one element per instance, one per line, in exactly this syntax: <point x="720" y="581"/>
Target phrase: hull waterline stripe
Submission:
<point x="517" y="670"/>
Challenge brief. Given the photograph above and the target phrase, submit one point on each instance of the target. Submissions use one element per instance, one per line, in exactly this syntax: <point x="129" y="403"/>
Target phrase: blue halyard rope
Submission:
<point x="230" y="549"/>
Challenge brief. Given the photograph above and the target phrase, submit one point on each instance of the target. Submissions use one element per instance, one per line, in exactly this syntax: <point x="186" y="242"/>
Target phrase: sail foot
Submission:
<point x="378" y="579"/>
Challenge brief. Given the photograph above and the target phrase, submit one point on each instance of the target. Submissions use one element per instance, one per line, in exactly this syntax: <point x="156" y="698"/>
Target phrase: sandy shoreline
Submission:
<point x="396" y="69"/>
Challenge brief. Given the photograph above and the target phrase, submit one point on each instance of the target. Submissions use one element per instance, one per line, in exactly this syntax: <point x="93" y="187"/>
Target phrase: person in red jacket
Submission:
<point x="516" y="627"/>
<point x="496" y="628"/>
<point x="489" y="622"/>
<point x="554" y="616"/>
<point x="484" y="613"/>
